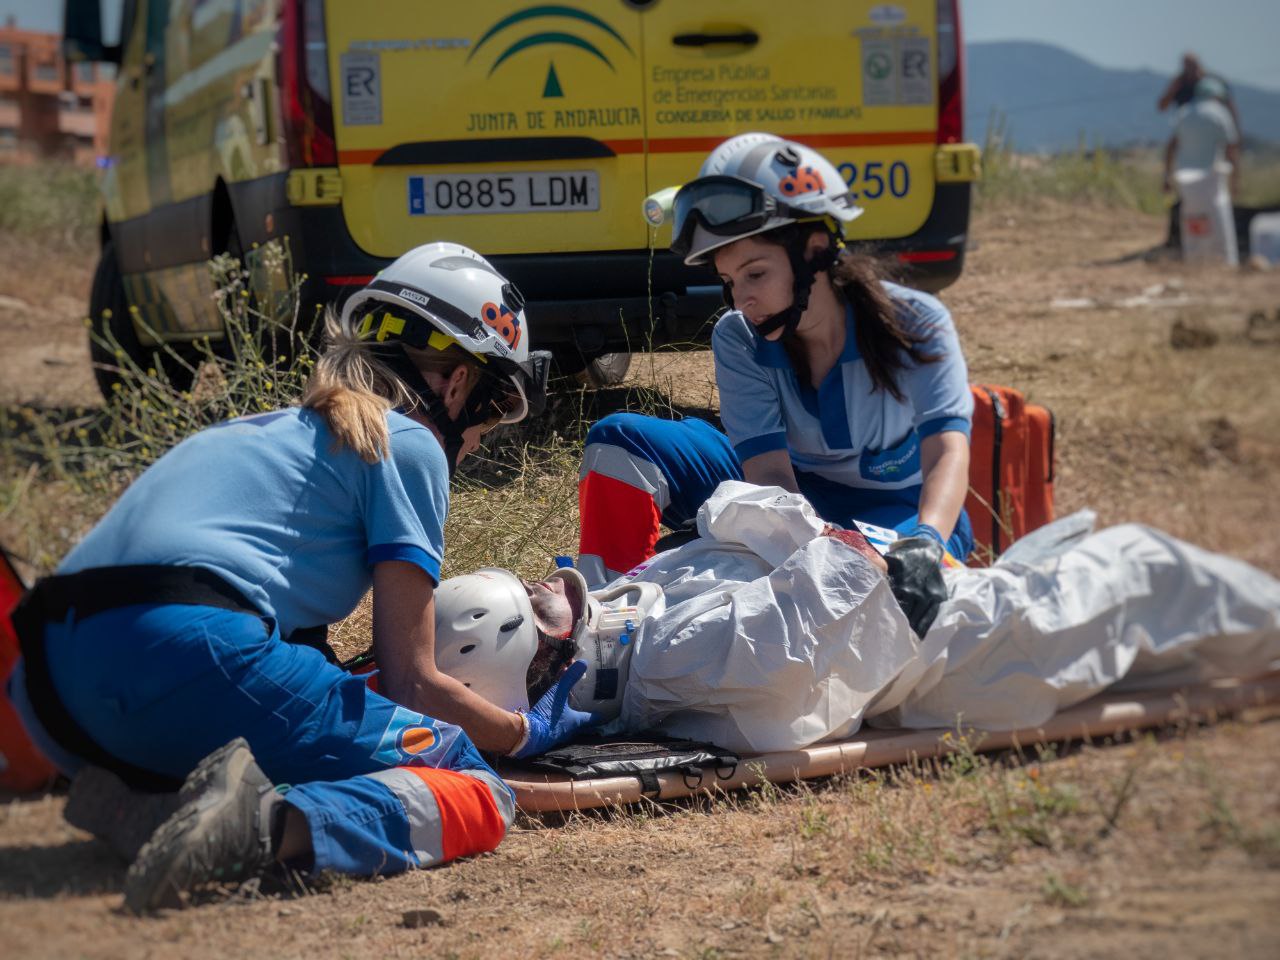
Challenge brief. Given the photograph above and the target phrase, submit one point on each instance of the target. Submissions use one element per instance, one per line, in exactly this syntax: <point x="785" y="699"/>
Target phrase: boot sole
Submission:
<point x="165" y="865"/>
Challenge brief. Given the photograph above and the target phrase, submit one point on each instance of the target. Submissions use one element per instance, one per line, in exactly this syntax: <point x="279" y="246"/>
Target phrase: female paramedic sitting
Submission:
<point x="833" y="382"/>
<point x="163" y="637"/>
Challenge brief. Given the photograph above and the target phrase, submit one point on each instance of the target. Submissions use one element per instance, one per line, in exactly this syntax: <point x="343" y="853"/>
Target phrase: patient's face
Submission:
<point x="556" y="608"/>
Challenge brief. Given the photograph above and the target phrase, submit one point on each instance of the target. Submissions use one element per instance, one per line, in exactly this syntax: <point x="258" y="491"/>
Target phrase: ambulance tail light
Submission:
<point x="302" y="72"/>
<point x="950" y="73"/>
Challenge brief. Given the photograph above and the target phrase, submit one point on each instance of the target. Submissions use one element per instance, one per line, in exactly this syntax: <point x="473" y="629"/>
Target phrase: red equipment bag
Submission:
<point x="1010" y="470"/>
<point x="23" y="768"/>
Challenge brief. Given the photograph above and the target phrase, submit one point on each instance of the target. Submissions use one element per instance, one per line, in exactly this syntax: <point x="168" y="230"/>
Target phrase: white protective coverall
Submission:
<point x="775" y="637"/>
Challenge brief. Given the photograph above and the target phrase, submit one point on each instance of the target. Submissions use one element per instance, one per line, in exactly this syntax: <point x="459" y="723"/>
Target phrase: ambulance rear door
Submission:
<point x="856" y="81"/>
<point x="512" y="128"/>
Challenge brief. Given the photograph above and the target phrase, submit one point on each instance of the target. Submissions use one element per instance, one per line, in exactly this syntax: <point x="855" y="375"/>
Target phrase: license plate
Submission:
<point x="547" y="191"/>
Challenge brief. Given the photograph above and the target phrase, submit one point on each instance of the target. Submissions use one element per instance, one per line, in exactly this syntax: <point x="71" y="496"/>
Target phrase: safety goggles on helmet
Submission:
<point x="726" y="206"/>
<point x="387" y="323"/>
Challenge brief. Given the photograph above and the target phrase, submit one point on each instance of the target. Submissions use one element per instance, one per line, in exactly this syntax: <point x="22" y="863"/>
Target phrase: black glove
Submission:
<point x="915" y="575"/>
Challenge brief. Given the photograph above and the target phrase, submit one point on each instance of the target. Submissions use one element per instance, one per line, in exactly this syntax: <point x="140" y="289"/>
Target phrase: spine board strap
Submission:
<point x="643" y="757"/>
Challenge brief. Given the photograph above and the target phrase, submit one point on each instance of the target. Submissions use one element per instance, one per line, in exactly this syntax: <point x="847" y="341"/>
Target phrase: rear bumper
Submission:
<point x="933" y="257"/>
<point x="625" y="300"/>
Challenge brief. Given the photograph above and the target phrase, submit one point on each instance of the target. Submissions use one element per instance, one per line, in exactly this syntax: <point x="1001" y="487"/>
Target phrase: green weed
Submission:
<point x="1129" y="178"/>
<point x="54" y="206"/>
<point x="1059" y="893"/>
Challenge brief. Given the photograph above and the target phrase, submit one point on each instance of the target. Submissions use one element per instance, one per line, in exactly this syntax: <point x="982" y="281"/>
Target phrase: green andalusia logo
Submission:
<point x="542" y="37"/>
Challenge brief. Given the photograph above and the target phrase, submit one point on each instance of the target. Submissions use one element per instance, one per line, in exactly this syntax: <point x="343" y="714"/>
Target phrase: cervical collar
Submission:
<point x="605" y="638"/>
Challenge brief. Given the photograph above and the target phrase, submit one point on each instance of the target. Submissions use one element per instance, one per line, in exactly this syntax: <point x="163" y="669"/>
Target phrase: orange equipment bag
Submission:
<point x="23" y="768"/>
<point x="1010" y="470"/>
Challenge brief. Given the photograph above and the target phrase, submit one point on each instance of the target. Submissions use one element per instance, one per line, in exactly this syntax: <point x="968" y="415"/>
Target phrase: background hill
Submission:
<point x="1050" y="97"/>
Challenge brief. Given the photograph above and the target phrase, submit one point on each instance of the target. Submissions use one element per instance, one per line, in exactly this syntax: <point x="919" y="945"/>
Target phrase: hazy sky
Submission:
<point x="1236" y="38"/>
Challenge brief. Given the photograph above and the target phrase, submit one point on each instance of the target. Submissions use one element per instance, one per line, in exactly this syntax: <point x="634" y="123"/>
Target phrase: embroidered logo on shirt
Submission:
<point x="895" y="463"/>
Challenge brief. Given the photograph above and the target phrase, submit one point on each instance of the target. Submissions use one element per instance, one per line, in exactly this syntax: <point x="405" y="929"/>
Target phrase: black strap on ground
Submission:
<point x="642" y="756"/>
<point x="96" y="590"/>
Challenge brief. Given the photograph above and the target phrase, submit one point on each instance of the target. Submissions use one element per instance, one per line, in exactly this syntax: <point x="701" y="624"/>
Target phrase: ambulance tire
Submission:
<point x="606" y="370"/>
<point x="110" y="322"/>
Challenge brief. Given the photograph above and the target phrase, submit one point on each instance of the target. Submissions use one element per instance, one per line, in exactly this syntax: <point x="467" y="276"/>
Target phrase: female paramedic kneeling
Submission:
<point x="163" y="637"/>
<point x="833" y="383"/>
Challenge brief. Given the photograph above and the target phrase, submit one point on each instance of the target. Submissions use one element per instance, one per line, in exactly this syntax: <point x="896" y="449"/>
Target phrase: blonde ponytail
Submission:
<point x="353" y="392"/>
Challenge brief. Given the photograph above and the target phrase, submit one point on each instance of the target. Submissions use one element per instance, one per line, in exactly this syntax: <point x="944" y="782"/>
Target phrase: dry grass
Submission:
<point x="1157" y="847"/>
<point x="1138" y="847"/>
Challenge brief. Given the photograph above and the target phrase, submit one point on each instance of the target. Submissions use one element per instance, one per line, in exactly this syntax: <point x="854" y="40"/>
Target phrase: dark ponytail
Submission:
<point x="884" y="340"/>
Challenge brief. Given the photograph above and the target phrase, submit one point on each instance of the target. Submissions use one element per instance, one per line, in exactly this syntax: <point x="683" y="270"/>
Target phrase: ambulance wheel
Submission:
<point x="111" y="328"/>
<point x="606" y="370"/>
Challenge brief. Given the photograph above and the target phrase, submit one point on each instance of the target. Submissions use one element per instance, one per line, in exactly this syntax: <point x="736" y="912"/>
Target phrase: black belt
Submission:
<point x="96" y="590"/>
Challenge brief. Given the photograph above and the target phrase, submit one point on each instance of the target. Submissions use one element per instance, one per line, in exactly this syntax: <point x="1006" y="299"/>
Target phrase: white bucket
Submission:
<point x="1264" y="237"/>
<point x="1208" y="223"/>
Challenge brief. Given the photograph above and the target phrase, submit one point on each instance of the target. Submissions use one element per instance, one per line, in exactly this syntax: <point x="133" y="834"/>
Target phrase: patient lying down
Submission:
<point x="772" y="631"/>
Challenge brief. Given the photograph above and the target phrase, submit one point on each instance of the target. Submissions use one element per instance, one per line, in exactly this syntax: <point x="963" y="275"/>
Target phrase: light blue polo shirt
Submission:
<point x="268" y="503"/>
<point x="844" y="431"/>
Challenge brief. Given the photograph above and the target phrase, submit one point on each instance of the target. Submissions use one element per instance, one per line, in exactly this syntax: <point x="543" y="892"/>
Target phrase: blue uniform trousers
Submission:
<point x="161" y="686"/>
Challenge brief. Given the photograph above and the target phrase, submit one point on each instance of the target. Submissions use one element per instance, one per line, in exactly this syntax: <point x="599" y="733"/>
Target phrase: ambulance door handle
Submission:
<point x="746" y="38"/>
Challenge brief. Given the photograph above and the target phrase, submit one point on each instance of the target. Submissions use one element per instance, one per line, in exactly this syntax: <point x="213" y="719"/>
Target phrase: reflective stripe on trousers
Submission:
<point x="638" y="473"/>
<point x="406" y="817"/>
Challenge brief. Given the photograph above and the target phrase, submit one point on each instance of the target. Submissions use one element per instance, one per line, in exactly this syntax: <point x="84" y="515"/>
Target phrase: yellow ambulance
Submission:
<point x="529" y="131"/>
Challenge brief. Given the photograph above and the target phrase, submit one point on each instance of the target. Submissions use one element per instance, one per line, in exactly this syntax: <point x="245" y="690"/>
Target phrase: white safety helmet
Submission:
<point x="753" y="183"/>
<point x="486" y="636"/>
<point x="444" y="293"/>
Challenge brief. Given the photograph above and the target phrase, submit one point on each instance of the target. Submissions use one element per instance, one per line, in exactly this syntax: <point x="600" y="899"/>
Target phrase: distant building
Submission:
<point x="48" y="107"/>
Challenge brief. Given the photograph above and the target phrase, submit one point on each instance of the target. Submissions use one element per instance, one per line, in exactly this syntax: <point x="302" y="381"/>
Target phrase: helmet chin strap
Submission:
<point x="451" y="428"/>
<point x="805" y="272"/>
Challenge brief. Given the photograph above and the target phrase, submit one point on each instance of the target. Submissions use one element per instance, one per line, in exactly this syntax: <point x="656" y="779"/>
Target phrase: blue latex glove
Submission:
<point x="926" y="530"/>
<point x="552" y="721"/>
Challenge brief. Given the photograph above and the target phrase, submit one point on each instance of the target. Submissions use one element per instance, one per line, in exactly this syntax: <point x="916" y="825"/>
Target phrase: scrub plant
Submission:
<point x="78" y="461"/>
<point x="1061" y="893"/>
<point x="54" y="208"/>
<point x="1097" y="174"/>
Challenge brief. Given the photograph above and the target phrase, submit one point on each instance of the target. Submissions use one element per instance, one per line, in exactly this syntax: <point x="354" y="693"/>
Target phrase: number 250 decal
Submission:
<point x="877" y="177"/>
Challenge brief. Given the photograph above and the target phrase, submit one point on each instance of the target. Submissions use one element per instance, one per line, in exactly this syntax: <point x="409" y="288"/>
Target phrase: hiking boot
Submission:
<point x="220" y="834"/>
<point x="102" y="804"/>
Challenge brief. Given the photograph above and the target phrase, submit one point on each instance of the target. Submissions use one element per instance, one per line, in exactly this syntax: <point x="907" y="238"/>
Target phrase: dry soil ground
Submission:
<point x="1167" y="846"/>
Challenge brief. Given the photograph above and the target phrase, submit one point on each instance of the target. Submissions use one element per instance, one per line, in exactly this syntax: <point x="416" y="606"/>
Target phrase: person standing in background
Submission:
<point x="1180" y="92"/>
<point x="1205" y="134"/>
